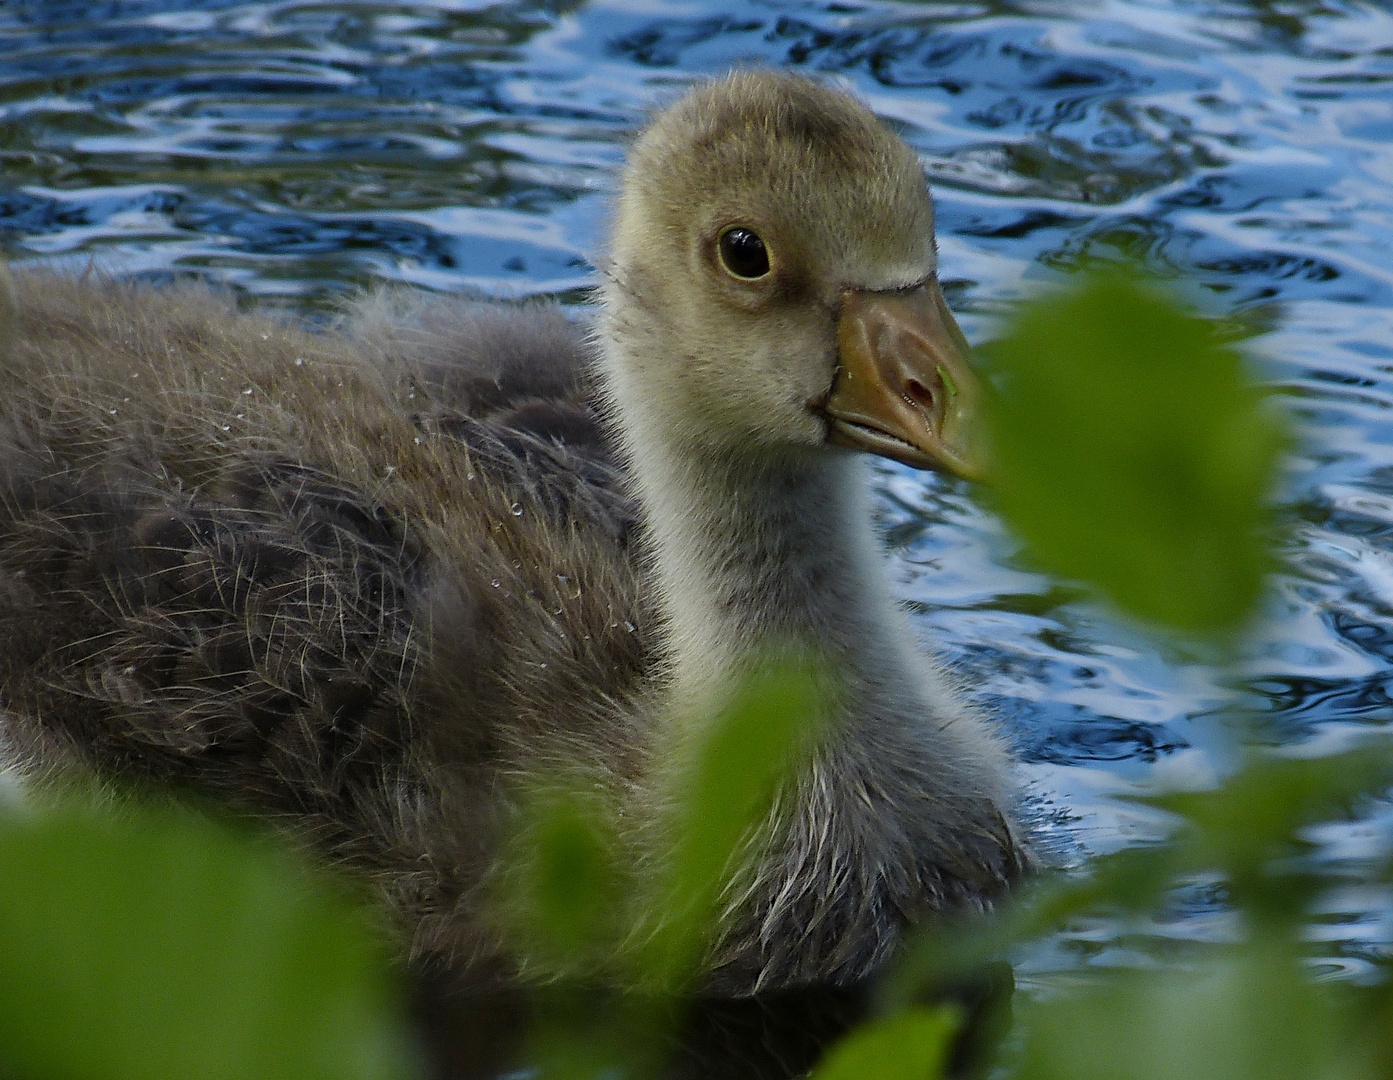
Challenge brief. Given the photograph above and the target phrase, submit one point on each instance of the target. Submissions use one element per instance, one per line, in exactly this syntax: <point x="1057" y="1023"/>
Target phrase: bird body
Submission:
<point x="376" y="582"/>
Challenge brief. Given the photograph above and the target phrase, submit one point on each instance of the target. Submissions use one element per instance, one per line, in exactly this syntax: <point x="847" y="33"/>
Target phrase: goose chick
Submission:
<point x="379" y="582"/>
<point x="771" y="303"/>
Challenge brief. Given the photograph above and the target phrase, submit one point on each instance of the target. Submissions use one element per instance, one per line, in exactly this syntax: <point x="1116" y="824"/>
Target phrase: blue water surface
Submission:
<point x="297" y="150"/>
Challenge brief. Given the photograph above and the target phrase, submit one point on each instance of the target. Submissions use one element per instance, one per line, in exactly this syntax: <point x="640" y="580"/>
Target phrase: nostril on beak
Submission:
<point x="921" y="395"/>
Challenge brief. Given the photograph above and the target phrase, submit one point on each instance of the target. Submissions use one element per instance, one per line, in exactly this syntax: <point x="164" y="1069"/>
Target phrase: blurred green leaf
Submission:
<point x="725" y="786"/>
<point x="1371" y="1010"/>
<point x="588" y="1032"/>
<point x="911" y="1045"/>
<point x="563" y="897"/>
<point x="1248" y="830"/>
<point x="950" y="951"/>
<point x="1272" y="797"/>
<point x="1131" y="450"/>
<point x="1246" y="827"/>
<point x="1249" y="1016"/>
<point x="157" y="944"/>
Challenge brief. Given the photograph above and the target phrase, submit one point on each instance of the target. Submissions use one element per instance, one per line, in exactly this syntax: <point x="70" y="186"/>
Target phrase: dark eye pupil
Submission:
<point x="744" y="254"/>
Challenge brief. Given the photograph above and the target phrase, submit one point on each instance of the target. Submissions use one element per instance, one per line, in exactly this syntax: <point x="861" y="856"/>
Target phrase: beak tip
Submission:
<point x="973" y="471"/>
<point x="967" y="464"/>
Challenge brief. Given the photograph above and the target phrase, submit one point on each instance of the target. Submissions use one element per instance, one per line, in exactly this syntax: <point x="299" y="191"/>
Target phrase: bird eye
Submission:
<point x="743" y="253"/>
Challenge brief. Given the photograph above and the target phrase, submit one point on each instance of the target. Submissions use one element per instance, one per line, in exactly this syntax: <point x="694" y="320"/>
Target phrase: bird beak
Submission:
<point x="903" y="388"/>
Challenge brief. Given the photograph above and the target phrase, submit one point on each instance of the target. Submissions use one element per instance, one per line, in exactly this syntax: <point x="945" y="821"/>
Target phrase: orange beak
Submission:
<point x="903" y="388"/>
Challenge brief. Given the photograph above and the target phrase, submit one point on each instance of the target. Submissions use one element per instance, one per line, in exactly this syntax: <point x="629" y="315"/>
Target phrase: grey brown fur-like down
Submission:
<point x="379" y="582"/>
<point x="304" y="574"/>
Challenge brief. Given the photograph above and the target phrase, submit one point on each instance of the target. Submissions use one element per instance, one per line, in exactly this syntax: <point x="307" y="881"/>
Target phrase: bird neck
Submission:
<point x="755" y="549"/>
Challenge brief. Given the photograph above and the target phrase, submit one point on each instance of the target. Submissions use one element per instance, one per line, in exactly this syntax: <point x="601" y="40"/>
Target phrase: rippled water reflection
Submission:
<point x="298" y="149"/>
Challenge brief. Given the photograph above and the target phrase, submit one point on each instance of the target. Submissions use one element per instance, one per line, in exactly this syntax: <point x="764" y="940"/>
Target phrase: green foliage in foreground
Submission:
<point x="912" y="1043"/>
<point x="1131" y="455"/>
<point x="573" y="894"/>
<point x="724" y="786"/>
<point x="1251" y="1015"/>
<point x="157" y="945"/>
<point x="1131" y="451"/>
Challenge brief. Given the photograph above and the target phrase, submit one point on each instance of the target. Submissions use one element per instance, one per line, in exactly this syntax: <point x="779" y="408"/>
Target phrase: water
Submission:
<point x="299" y="149"/>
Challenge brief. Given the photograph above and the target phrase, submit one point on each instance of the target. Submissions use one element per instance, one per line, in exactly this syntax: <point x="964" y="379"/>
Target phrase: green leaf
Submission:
<point x="948" y="951"/>
<point x="562" y="893"/>
<point x="1131" y="451"/>
<point x="155" y="945"/>
<point x="724" y="788"/>
<point x="1251" y="823"/>
<point x="1273" y="796"/>
<point x="1249" y="1016"/>
<point x="591" y="1032"/>
<point x="1248" y="830"/>
<point x="911" y="1045"/>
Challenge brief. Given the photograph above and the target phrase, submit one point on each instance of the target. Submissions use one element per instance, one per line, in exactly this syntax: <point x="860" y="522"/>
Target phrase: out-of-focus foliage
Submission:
<point x="1248" y="1015"/>
<point x="910" y="1045"/>
<point x="149" y="944"/>
<point x="1250" y="830"/>
<point x="723" y="785"/>
<point x="563" y="890"/>
<point x="1131" y="451"/>
<point x="583" y="897"/>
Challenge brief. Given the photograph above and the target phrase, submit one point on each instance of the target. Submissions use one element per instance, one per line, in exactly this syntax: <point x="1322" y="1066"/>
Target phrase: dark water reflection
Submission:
<point x="300" y="148"/>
